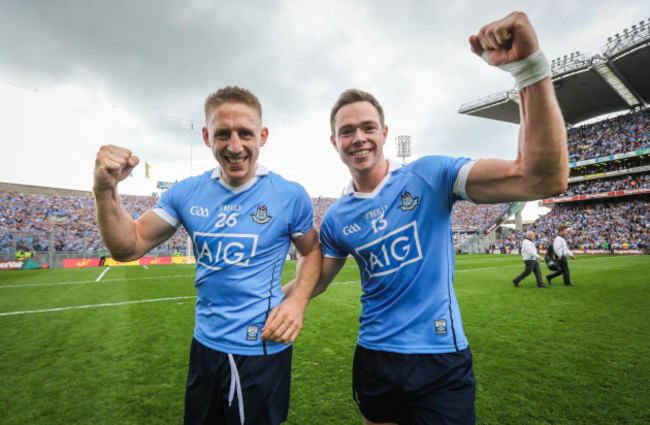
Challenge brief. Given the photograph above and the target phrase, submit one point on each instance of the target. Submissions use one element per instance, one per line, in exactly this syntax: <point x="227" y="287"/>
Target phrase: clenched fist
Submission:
<point x="112" y="165"/>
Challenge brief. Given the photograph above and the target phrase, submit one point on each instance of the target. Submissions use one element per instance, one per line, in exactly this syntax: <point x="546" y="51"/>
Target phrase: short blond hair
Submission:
<point x="231" y="94"/>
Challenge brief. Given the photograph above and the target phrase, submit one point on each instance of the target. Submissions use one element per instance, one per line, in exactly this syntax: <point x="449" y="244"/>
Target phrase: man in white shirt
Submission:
<point x="561" y="249"/>
<point x="530" y="256"/>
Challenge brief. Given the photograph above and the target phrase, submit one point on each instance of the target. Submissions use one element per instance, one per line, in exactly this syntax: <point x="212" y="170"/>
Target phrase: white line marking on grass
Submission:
<point x="345" y="283"/>
<point x="48" y="310"/>
<point x="102" y="275"/>
<point x="93" y="281"/>
<point x="145" y="267"/>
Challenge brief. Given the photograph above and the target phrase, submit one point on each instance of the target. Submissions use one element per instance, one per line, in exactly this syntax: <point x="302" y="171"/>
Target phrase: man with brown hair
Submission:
<point x="242" y="219"/>
<point x="413" y="364"/>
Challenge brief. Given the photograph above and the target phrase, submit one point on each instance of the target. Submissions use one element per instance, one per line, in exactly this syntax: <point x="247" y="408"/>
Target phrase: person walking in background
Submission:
<point x="242" y="218"/>
<point x="561" y="250"/>
<point x="530" y="256"/>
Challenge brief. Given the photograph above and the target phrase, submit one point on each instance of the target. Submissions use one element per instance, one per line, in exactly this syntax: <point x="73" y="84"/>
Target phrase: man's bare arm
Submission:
<point x="541" y="167"/>
<point x="127" y="239"/>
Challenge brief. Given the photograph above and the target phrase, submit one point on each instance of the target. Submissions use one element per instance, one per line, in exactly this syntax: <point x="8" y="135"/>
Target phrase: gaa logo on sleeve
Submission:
<point x="391" y="252"/>
<point x="219" y="250"/>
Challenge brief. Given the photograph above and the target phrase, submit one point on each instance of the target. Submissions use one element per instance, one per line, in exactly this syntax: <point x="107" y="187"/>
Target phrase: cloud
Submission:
<point x="137" y="73"/>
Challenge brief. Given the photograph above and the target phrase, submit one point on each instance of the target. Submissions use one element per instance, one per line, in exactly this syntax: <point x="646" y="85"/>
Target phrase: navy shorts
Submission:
<point x="415" y="389"/>
<point x="213" y="395"/>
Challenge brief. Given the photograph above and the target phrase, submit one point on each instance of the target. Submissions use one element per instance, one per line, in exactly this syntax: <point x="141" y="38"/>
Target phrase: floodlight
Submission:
<point x="403" y="147"/>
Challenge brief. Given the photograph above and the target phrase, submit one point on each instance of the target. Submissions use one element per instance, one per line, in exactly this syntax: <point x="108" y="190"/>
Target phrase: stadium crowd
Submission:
<point x="68" y="223"/>
<point x="596" y="225"/>
<point x="468" y="217"/>
<point x="61" y="223"/>
<point x="321" y="205"/>
<point x="638" y="181"/>
<point x="625" y="133"/>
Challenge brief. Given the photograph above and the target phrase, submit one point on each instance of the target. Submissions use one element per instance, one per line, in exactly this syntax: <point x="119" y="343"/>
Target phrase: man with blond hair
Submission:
<point x="242" y="219"/>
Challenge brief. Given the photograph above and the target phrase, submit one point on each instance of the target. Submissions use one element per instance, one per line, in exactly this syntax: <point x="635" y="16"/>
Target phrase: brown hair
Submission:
<point x="352" y="96"/>
<point x="232" y="94"/>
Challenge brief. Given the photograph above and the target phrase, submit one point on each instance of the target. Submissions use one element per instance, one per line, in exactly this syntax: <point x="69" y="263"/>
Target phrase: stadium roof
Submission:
<point x="588" y="86"/>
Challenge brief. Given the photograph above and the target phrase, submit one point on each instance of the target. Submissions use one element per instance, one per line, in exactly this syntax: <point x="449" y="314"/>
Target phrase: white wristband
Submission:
<point x="526" y="71"/>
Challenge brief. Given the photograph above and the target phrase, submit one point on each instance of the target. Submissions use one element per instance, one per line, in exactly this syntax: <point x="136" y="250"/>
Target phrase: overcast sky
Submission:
<point x="75" y="75"/>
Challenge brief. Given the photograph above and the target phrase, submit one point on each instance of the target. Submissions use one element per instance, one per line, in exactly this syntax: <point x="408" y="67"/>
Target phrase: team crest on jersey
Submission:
<point x="261" y="216"/>
<point x="408" y="201"/>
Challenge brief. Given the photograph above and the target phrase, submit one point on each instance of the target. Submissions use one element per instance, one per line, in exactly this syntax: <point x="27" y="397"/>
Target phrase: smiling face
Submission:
<point x="235" y="135"/>
<point x="359" y="139"/>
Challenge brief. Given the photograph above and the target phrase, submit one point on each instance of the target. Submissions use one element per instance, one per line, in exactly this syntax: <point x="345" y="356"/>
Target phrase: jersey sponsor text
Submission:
<point x="391" y="252"/>
<point x="219" y="250"/>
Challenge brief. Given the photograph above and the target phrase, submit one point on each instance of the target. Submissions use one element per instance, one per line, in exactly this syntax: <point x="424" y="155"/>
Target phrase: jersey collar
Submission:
<point x="392" y="166"/>
<point x="260" y="171"/>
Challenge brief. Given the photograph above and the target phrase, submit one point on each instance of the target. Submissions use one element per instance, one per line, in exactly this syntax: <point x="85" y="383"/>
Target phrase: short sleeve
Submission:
<point x="436" y="169"/>
<point x="165" y="207"/>
<point x="327" y="240"/>
<point x="302" y="213"/>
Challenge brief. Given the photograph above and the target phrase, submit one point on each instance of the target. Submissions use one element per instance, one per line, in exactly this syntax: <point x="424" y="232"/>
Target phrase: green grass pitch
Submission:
<point x="74" y="350"/>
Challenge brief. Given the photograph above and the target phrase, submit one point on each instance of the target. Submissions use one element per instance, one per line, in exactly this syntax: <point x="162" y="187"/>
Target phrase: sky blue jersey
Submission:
<point x="241" y="237"/>
<point x="400" y="235"/>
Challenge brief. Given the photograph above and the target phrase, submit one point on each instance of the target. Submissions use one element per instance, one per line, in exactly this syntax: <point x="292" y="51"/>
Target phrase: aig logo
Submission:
<point x="199" y="211"/>
<point x="353" y="228"/>
<point x="220" y="250"/>
<point x="391" y="252"/>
